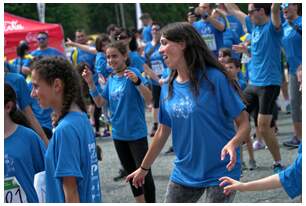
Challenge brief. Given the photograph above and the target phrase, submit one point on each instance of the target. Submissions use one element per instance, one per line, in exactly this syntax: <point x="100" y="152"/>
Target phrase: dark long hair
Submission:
<point x="15" y="114"/>
<point x="197" y="55"/>
<point x="51" y="68"/>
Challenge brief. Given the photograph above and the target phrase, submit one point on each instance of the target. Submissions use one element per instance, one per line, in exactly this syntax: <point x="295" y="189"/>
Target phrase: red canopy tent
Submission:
<point x="18" y="28"/>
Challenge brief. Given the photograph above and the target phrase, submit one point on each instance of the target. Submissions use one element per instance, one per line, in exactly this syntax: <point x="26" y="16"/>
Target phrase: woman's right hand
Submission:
<point x="137" y="177"/>
<point x="87" y="75"/>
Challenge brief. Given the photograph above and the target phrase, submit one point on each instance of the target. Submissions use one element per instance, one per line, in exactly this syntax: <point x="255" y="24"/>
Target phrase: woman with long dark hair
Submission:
<point x="199" y="105"/>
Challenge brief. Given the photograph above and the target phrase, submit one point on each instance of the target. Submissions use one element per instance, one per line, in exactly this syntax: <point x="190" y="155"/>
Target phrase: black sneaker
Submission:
<point x="122" y="174"/>
<point x="277" y="168"/>
<point x="293" y="143"/>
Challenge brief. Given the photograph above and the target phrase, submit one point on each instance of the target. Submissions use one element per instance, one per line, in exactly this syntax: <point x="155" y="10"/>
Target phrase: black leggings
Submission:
<point x="131" y="154"/>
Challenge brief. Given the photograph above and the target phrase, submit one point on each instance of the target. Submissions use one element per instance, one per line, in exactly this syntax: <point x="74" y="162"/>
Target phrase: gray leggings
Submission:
<point x="295" y="99"/>
<point x="181" y="194"/>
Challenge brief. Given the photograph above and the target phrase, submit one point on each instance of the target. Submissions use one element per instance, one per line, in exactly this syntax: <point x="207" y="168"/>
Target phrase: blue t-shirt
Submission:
<point x="292" y="43"/>
<point x="265" y="66"/>
<point x="23" y="158"/>
<point x="146" y="34"/>
<point x="42" y="115"/>
<point x="212" y="37"/>
<point x="291" y="177"/>
<point x="156" y="60"/>
<point x="127" y="107"/>
<point x="232" y="34"/>
<point x="19" y="84"/>
<point x="72" y="152"/>
<point x="201" y="127"/>
<point x="84" y="56"/>
<point x="17" y="63"/>
<point x="136" y="61"/>
<point x="101" y="65"/>
<point x="47" y="52"/>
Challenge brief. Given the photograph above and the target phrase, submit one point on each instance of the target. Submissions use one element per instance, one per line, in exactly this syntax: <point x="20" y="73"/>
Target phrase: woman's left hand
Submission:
<point x="229" y="149"/>
<point x="131" y="75"/>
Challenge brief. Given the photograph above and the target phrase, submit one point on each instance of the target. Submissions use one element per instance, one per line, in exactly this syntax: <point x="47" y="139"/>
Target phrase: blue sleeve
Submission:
<point x="291" y="178"/>
<point x="228" y="97"/>
<point x="248" y="24"/>
<point x="38" y="149"/>
<point x="163" y="116"/>
<point x="138" y="63"/>
<point x="69" y="155"/>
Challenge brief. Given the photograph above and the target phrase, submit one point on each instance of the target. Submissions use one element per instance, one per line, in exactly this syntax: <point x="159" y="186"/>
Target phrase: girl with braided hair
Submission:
<point x="71" y="163"/>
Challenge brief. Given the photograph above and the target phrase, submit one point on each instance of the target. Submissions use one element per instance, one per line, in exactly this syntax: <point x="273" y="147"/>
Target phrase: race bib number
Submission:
<point x="157" y="67"/>
<point x="210" y="41"/>
<point x="13" y="192"/>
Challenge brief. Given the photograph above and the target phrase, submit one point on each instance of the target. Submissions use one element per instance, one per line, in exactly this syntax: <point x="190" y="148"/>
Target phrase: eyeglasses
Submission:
<point x="253" y="10"/>
<point x="155" y="29"/>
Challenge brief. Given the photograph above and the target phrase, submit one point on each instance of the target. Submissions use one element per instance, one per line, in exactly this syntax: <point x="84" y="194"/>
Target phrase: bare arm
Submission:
<point x="234" y="10"/>
<point x="159" y="140"/>
<point x="145" y="91"/>
<point x="35" y="124"/>
<point x="243" y="130"/>
<point x="270" y="182"/>
<point x="70" y="190"/>
<point x="98" y="99"/>
<point x="81" y="46"/>
<point x="275" y="15"/>
<point x="213" y="20"/>
<point x="150" y="73"/>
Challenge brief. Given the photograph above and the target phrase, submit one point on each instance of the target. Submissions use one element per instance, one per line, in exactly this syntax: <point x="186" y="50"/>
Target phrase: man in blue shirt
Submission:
<point x="43" y="47"/>
<point x="265" y="74"/>
<point x="147" y="24"/>
<point x="210" y="27"/>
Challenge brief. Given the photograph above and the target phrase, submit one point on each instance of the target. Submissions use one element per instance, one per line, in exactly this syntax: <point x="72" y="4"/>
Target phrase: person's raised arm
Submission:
<point x="275" y="15"/>
<point x="214" y="21"/>
<point x="81" y="46"/>
<point x="234" y="10"/>
<point x="98" y="99"/>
